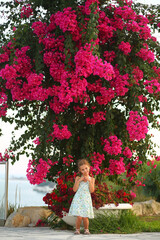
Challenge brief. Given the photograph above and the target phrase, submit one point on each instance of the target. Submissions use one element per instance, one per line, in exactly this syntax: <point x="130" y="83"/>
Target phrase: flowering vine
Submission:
<point x="85" y="82"/>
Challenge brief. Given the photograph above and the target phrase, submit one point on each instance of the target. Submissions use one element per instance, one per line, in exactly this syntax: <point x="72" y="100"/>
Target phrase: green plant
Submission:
<point x="60" y="198"/>
<point x="11" y="209"/>
<point x="153" y="226"/>
<point x="152" y="183"/>
<point x="140" y="196"/>
<point x="123" y="222"/>
<point x="55" y="222"/>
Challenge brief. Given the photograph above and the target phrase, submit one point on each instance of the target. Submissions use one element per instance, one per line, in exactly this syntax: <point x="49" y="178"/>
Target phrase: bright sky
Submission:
<point x="19" y="168"/>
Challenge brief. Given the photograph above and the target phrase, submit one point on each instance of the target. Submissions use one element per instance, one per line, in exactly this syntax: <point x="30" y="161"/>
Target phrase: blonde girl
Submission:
<point x="81" y="205"/>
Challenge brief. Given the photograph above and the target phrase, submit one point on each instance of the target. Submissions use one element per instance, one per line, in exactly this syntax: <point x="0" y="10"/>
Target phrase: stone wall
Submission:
<point x="147" y="208"/>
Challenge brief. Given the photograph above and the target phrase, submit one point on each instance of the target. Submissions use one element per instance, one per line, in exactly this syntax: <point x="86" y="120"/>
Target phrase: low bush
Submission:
<point x="152" y="183"/>
<point x="123" y="222"/>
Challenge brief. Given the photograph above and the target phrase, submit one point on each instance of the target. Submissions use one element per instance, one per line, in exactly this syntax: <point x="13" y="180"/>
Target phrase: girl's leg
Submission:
<point x="78" y="224"/>
<point x="86" y="225"/>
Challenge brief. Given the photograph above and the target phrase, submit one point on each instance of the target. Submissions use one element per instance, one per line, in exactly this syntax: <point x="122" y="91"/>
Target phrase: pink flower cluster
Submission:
<point x="120" y="83"/>
<point x="132" y="169"/>
<point x="68" y="160"/>
<point x="156" y="70"/>
<point x="152" y="164"/>
<point x="103" y="70"/>
<point x="80" y="110"/>
<point x="137" y="126"/>
<point x="109" y="56"/>
<point x="125" y="47"/>
<point x="88" y="3"/>
<point x="3" y="103"/>
<point x="142" y="98"/>
<point x="112" y="145"/>
<point x="125" y="12"/>
<point x="127" y="152"/>
<point x="36" y="173"/>
<point x="157" y="158"/>
<point x="60" y="133"/>
<point x="36" y="141"/>
<point x="39" y="28"/>
<point x="66" y="20"/>
<point x="4" y="157"/>
<point x="26" y="11"/>
<point x="116" y="166"/>
<point x="4" y="57"/>
<point x="152" y="86"/>
<point x="146" y="55"/>
<point x="87" y="64"/>
<point x="84" y="61"/>
<point x="21" y="68"/>
<point x="106" y="96"/>
<point x="96" y="160"/>
<point x="139" y="183"/>
<point x="137" y="74"/>
<point x="133" y="26"/>
<point x="97" y="117"/>
<point x="106" y="31"/>
<point x="133" y="195"/>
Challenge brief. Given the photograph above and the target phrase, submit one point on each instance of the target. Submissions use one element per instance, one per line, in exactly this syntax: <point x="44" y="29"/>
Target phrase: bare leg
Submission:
<point x="86" y="223"/>
<point x="78" y="222"/>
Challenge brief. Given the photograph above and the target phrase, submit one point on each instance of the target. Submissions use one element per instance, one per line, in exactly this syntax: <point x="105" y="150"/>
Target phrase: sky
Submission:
<point x="19" y="168"/>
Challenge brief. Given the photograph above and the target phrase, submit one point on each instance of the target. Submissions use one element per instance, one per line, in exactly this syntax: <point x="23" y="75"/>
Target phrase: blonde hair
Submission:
<point x="82" y="162"/>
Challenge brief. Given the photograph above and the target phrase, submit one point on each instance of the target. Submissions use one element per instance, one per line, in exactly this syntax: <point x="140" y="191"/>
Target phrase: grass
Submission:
<point x="125" y="222"/>
<point x="150" y="223"/>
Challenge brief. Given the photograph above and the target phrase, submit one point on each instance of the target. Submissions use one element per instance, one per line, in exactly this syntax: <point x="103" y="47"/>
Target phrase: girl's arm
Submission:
<point x="76" y="184"/>
<point x="91" y="185"/>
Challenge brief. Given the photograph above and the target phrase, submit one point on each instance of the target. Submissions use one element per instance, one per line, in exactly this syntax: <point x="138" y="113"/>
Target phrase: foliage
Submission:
<point x="42" y="223"/>
<point x="150" y="224"/>
<point x="152" y="183"/>
<point x="102" y="195"/>
<point x="11" y="209"/>
<point x="60" y="198"/>
<point x="82" y="78"/>
<point x="55" y="222"/>
<point x="122" y="222"/>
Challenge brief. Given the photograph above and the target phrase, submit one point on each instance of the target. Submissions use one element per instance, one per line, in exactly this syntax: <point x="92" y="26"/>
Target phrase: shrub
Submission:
<point x="123" y="222"/>
<point x="152" y="183"/>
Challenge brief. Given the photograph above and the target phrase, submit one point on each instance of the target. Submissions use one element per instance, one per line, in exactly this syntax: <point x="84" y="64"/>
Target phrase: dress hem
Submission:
<point x="80" y="216"/>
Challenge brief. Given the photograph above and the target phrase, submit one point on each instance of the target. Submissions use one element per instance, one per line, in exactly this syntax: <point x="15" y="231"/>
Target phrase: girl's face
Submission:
<point x="84" y="169"/>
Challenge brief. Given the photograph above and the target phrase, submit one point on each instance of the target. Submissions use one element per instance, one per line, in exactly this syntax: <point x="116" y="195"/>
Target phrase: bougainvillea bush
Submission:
<point x="82" y="78"/>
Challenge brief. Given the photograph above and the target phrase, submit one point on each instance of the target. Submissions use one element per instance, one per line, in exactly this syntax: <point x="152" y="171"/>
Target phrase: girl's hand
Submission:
<point x="81" y="179"/>
<point x="87" y="178"/>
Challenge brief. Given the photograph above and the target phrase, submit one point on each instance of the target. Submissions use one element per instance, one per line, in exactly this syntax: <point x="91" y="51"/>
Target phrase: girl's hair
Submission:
<point x="82" y="162"/>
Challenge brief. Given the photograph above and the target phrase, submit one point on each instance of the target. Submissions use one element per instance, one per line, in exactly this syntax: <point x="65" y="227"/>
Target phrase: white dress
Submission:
<point x="82" y="202"/>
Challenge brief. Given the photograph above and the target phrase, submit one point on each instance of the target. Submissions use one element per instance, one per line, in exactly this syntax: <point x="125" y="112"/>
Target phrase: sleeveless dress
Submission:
<point x="82" y="202"/>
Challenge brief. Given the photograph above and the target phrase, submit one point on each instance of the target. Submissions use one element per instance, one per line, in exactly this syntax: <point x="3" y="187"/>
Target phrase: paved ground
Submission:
<point x="45" y="233"/>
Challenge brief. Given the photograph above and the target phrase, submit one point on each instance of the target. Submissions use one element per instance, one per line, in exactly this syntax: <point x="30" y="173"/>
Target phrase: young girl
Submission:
<point x="81" y="205"/>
